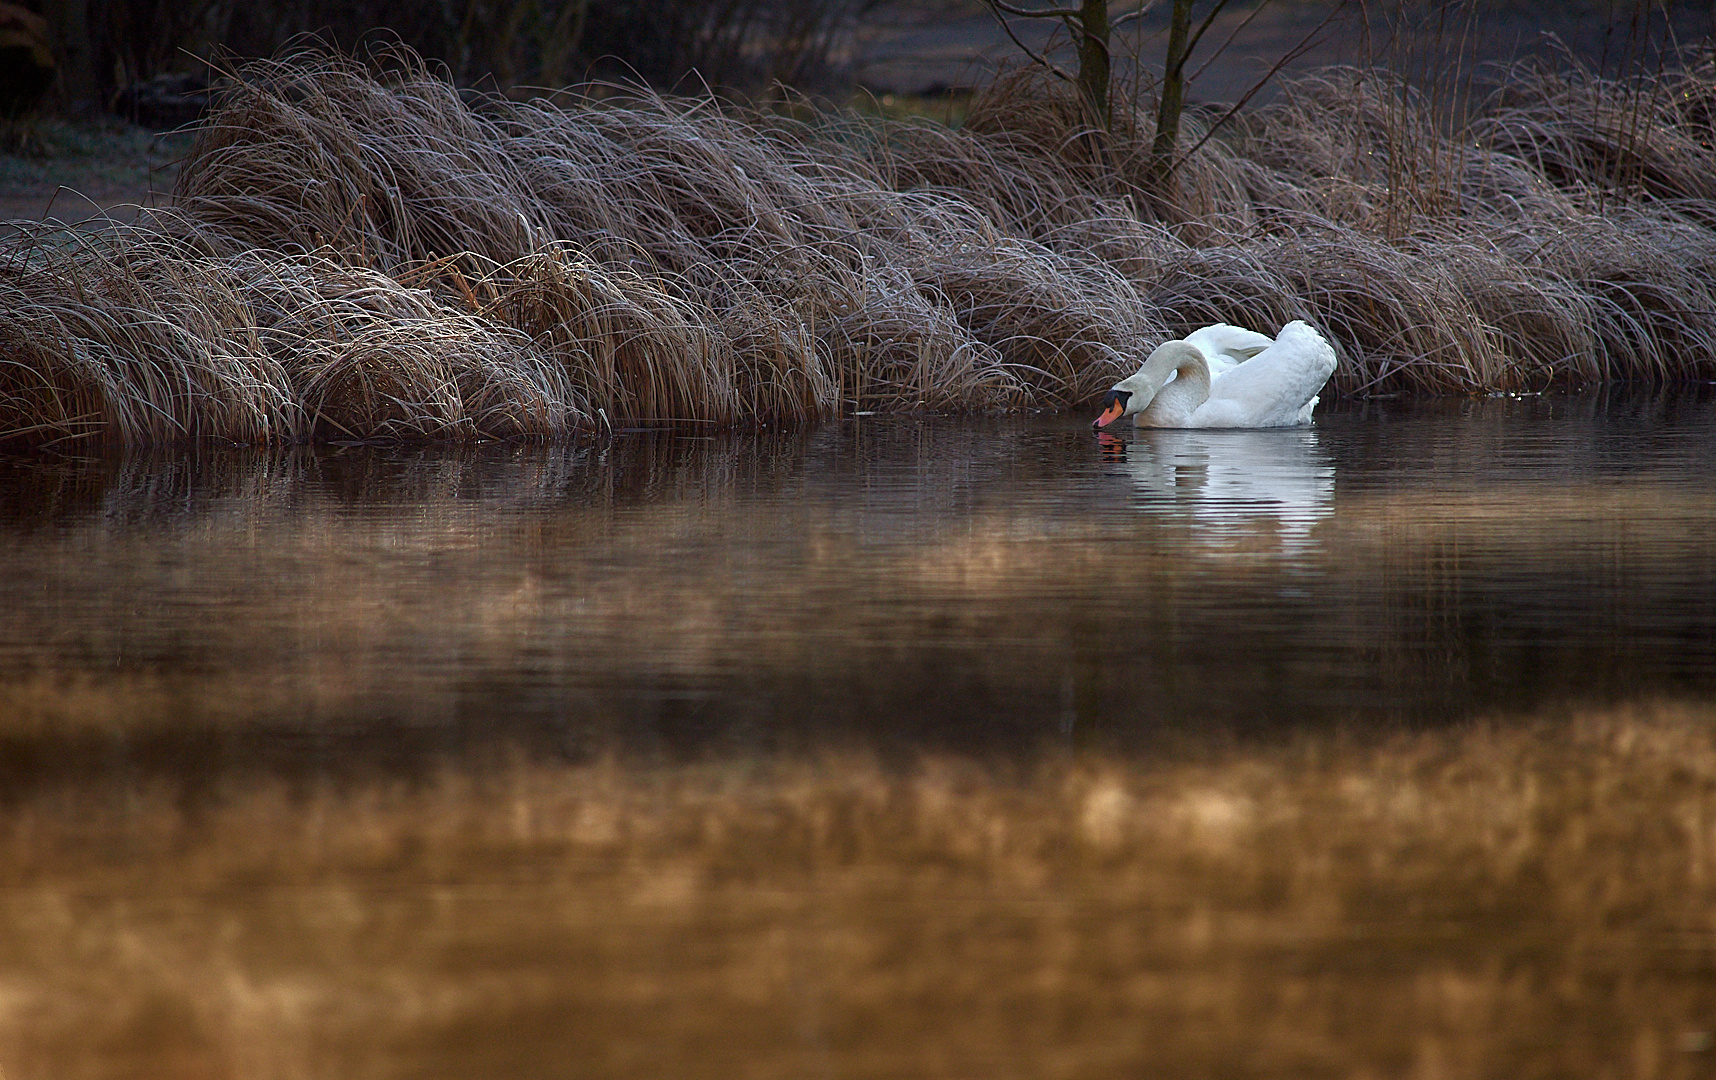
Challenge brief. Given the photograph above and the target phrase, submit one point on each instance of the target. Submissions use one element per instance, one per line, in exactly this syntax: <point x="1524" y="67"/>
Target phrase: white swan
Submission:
<point x="1275" y="387"/>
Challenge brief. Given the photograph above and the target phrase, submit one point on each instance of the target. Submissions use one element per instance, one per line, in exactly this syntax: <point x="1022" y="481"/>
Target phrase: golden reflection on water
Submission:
<point x="1193" y="586"/>
<point x="1527" y="899"/>
<point x="946" y="748"/>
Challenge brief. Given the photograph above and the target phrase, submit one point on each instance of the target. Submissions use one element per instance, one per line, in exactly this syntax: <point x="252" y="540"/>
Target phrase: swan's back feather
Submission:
<point x="1226" y="345"/>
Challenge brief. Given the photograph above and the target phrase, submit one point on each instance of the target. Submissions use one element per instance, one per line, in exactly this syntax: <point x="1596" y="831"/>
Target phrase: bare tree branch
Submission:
<point x="1305" y="45"/>
<point x="996" y="7"/>
<point x="1034" y="13"/>
<point x="1243" y="23"/>
<point x="1076" y="28"/>
<point x="1143" y="8"/>
<point x="1208" y="19"/>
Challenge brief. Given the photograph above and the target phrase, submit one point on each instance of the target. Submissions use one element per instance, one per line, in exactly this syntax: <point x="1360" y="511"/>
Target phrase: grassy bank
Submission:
<point x="351" y="255"/>
<point x="1530" y="898"/>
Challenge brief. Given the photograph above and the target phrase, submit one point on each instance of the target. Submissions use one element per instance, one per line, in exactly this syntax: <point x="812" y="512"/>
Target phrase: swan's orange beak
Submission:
<point x="1113" y="408"/>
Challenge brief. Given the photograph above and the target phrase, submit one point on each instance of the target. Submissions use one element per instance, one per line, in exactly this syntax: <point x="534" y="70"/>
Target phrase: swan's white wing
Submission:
<point x="1228" y="345"/>
<point x="1274" y="388"/>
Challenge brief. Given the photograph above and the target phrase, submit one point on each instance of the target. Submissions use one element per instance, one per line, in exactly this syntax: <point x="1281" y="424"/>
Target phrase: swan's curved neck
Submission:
<point x="1150" y="386"/>
<point x="1190" y="388"/>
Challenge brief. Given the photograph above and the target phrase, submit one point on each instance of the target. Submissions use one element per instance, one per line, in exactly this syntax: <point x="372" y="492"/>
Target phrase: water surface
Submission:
<point x="927" y="581"/>
<point x="908" y="746"/>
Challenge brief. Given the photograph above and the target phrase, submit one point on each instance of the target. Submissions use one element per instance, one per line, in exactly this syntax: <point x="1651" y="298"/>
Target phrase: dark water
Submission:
<point x="957" y="583"/>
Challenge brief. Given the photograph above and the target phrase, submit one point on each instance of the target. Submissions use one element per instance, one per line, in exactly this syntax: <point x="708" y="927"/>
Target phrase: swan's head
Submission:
<point x="1115" y="404"/>
<point x="1133" y="394"/>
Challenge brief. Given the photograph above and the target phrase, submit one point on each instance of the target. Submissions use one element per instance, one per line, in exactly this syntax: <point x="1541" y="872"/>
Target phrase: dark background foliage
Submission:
<point x="107" y="46"/>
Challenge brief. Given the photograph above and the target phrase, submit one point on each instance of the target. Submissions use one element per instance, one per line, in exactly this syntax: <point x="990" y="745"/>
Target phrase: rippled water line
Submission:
<point x="975" y="583"/>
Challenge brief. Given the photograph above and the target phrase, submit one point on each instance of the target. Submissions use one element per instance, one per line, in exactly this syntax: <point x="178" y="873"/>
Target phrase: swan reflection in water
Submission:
<point x="1231" y="483"/>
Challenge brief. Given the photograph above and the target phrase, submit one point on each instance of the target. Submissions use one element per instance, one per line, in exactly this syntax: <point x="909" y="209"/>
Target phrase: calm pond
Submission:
<point x="888" y="747"/>
<point x="965" y="584"/>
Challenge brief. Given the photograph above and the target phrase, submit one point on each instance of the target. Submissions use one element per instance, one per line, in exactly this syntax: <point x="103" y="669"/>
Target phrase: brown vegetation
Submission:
<point x="352" y="255"/>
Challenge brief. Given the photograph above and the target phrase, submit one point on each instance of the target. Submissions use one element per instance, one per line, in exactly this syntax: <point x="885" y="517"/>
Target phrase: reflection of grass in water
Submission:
<point x="313" y="618"/>
<point x="1507" y="901"/>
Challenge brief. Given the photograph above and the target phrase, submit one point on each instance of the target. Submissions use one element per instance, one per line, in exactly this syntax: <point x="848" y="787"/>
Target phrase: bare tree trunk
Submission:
<point x="1093" y="61"/>
<point x="1173" y="101"/>
<point x="1089" y="26"/>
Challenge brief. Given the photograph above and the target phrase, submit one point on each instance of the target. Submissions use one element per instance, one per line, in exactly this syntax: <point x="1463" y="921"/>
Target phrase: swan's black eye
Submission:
<point x="1116" y="397"/>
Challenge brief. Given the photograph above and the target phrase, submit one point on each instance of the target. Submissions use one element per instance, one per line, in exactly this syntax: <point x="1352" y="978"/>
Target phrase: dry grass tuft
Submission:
<point x="135" y="338"/>
<point x="496" y="268"/>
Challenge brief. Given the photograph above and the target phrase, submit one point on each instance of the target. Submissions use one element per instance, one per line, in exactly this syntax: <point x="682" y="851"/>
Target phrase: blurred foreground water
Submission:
<point x="894" y="746"/>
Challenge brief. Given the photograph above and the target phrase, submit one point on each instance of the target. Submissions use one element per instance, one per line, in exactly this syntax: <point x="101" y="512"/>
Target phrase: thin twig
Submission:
<point x="1305" y="45"/>
<point x="1043" y="61"/>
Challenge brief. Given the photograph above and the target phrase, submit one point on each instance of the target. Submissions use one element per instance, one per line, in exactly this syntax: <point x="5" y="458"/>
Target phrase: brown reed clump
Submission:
<point x="1644" y="138"/>
<point x="683" y="263"/>
<point x="1042" y="120"/>
<point x="354" y="256"/>
<point x="135" y="338"/>
<point x="310" y="153"/>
